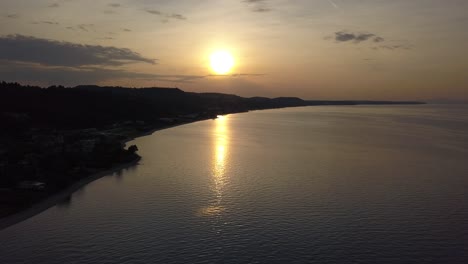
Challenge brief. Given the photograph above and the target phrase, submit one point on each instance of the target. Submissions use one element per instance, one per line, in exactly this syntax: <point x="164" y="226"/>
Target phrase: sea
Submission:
<point x="321" y="184"/>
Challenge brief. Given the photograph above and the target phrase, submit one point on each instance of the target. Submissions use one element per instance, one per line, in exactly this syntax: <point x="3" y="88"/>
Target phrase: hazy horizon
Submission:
<point x="320" y="49"/>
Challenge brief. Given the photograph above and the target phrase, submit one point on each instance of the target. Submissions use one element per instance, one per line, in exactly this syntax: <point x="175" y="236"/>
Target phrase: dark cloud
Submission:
<point x="261" y="9"/>
<point x="12" y="16"/>
<point x="82" y="27"/>
<point x="166" y="16"/>
<point x="126" y="30"/>
<point x="259" y="6"/>
<point x="114" y="5"/>
<point x="176" y="16"/>
<point x="50" y="22"/>
<point x="54" y="5"/>
<point x="26" y="72"/>
<point x="30" y="72"/>
<point x="86" y="27"/>
<point x="343" y="36"/>
<point x="57" y="53"/>
<point x="379" y="39"/>
<point x="46" y="22"/>
<point x="154" y="12"/>
<point x="364" y="37"/>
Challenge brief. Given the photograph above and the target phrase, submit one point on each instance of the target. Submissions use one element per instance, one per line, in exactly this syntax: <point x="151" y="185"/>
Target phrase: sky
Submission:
<point x="313" y="49"/>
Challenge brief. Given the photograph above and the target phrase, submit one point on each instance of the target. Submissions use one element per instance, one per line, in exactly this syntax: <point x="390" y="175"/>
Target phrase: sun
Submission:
<point x="221" y="62"/>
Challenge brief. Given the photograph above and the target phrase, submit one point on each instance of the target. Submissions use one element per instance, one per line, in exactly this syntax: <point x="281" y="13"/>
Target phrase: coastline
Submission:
<point x="56" y="198"/>
<point x="42" y="205"/>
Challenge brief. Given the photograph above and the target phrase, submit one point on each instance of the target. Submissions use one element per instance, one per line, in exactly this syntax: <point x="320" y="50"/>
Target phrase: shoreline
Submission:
<point x="54" y="199"/>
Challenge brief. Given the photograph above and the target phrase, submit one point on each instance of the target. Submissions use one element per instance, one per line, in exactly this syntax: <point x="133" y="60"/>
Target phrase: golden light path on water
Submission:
<point x="219" y="164"/>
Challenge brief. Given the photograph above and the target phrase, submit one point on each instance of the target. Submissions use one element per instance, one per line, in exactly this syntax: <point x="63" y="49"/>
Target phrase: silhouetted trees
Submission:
<point x="94" y="106"/>
<point x="132" y="149"/>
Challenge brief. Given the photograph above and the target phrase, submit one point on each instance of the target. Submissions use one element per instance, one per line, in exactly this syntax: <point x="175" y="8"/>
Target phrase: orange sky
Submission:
<point x="314" y="49"/>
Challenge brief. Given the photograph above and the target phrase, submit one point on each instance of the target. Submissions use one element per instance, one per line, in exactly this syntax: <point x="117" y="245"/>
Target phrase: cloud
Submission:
<point x="166" y="16"/>
<point x="247" y="74"/>
<point x="176" y="16"/>
<point x="333" y="4"/>
<point x="33" y="72"/>
<point x="126" y="30"/>
<point x="261" y="9"/>
<point x="46" y="22"/>
<point x="12" y="16"/>
<point x="235" y="75"/>
<point x="154" y="12"/>
<point x="259" y="6"/>
<point x="86" y="27"/>
<point x="379" y="39"/>
<point x="21" y="48"/>
<point x="54" y="5"/>
<point x="114" y="5"/>
<point x="82" y="27"/>
<point x="49" y="75"/>
<point x="363" y="37"/>
<point x="393" y="47"/>
<point x="343" y="36"/>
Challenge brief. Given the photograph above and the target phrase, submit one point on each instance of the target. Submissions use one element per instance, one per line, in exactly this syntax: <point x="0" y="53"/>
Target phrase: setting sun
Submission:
<point x="221" y="62"/>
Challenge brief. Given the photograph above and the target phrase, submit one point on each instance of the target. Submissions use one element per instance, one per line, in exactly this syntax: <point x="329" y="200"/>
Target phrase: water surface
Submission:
<point x="361" y="184"/>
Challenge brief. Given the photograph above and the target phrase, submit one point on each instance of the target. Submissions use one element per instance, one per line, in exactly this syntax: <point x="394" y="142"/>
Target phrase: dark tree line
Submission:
<point x="93" y="106"/>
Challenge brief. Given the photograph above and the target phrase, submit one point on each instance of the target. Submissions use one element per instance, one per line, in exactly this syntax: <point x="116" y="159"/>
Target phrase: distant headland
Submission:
<point x="53" y="140"/>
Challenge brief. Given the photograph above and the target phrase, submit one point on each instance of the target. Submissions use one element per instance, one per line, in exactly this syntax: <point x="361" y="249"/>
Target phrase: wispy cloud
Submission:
<point x="12" y="16"/>
<point x="259" y="6"/>
<point x="46" y="22"/>
<point x="114" y="5"/>
<point x="32" y="72"/>
<point x="54" y="5"/>
<point x="333" y="4"/>
<point x="166" y="16"/>
<point x="58" y="53"/>
<point x="261" y="9"/>
<point x="393" y="47"/>
<point x="86" y="27"/>
<point x="237" y="75"/>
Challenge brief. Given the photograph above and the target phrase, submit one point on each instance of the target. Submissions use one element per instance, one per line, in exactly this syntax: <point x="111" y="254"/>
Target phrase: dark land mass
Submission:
<point x="51" y="138"/>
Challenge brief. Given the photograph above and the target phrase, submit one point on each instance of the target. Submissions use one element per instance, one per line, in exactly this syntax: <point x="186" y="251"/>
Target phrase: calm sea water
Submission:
<point x="363" y="184"/>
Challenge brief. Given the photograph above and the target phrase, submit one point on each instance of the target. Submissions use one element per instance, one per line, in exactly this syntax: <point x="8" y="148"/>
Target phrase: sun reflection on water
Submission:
<point x="220" y="160"/>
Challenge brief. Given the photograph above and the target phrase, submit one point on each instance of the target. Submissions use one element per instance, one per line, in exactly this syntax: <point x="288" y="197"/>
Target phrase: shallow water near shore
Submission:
<point x="362" y="184"/>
